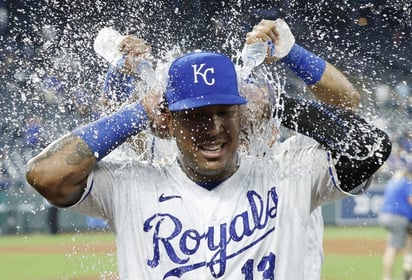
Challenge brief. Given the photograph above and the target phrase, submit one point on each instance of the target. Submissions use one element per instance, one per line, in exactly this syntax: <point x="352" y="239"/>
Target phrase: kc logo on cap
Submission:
<point x="197" y="72"/>
<point x="202" y="79"/>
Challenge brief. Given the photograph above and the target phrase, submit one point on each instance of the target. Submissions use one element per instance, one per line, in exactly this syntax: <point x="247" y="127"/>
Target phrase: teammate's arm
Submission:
<point x="119" y="84"/>
<point x="335" y="89"/>
<point x="326" y="82"/>
<point x="359" y="148"/>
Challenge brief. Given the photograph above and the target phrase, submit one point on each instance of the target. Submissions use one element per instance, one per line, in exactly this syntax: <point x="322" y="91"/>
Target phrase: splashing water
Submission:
<point x="260" y="130"/>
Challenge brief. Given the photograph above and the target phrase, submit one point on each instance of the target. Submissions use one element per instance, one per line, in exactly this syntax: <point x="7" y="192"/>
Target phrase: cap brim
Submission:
<point x="207" y="100"/>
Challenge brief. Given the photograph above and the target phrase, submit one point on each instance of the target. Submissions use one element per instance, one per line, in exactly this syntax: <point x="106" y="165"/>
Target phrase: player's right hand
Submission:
<point x="135" y="51"/>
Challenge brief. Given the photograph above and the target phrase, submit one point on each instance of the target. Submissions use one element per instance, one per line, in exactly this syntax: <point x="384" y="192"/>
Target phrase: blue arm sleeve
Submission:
<point x="305" y="64"/>
<point x="105" y="134"/>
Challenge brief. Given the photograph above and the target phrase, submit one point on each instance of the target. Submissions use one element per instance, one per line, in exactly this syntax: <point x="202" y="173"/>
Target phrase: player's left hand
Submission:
<point x="275" y="31"/>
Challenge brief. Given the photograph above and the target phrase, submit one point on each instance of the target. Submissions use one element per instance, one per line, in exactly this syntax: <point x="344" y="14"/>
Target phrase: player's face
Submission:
<point x="207" y="139"/>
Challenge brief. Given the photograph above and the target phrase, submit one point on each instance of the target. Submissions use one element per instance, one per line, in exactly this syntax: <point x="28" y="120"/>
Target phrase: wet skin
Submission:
<point x="207" y="139"/>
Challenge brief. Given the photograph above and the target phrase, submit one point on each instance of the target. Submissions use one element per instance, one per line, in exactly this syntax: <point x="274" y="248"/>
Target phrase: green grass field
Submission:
<point x="82" y="256"/>
<point x="65" y="256"/>
<point x="357" y="266"/>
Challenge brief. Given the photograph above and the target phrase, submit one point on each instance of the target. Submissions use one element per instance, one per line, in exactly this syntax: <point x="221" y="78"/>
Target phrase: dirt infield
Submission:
<point x="353" y="246"/>
<point x="90" y="249"/>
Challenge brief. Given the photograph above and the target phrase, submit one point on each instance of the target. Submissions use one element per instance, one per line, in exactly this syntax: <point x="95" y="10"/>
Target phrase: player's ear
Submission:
<point x="163" y="123"/>
<point x="169" y="123"/>
<point x="158" y="114"/>
<point x="166" y="119"/>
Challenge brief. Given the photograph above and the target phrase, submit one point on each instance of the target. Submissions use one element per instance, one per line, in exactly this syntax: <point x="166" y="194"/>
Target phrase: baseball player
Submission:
<point x="212" y="213"/>
<point x="160" y="151"/>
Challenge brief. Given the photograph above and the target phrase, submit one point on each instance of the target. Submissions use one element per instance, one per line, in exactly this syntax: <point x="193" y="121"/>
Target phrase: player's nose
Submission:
<point x="214" y="124"/>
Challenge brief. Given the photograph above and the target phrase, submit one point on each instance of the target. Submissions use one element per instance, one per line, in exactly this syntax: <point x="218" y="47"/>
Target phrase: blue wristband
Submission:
<point x="307" y="65"/>
<point x="118" y="86"/>
<point x="105" y="134"/>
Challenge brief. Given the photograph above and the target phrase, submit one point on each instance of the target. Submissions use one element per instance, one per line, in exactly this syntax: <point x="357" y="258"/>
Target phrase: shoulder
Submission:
<point x="298" y="150"/>
<point x="298" y="141"/>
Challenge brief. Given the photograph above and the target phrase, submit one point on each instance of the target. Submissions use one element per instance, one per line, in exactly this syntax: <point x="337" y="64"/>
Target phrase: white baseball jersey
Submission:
<point x="251" y="226"/>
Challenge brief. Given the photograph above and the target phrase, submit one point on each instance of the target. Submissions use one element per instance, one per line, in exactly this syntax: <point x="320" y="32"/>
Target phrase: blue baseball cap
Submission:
<point x="202" y="79"/>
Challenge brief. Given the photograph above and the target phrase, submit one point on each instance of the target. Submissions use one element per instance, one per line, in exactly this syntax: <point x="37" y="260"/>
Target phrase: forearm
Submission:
<point x="335" y="89"/>
<point x="326" y="82"/>
<point x="359" y="148"/>
<point x="59" y="173"/>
